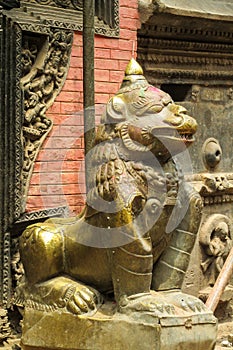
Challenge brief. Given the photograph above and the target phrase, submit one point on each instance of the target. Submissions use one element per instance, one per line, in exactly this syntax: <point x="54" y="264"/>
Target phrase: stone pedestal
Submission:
<point x="109" y="330"/>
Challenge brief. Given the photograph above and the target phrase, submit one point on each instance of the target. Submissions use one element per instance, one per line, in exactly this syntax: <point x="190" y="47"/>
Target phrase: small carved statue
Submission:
<point x="194" y="93"/>
<point x="217" y="246"/>
<point x="121" y="247"/>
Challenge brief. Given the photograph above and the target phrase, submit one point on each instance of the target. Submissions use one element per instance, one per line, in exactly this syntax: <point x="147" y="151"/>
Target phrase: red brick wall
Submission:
<point x="59" y="178"/>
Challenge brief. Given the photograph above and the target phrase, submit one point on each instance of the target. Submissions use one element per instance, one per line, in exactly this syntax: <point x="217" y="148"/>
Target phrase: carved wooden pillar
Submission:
<point x="11" y="146"/>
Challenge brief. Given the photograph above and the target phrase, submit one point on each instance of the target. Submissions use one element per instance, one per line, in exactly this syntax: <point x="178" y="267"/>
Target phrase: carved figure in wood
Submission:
<point x="133" y="238"/>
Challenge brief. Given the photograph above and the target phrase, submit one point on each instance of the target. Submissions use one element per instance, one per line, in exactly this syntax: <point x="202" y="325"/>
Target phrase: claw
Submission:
<point x="139" y="307"/>
<point x="87" y="298"/>
<point x="192" y="306"/>
<point x="199" y="308"/>
<point x="160" y="308"/>
<point x="80" y="302"/>
<point x="169" y="309"/>
<point x="152" y="307"/>
<point x="184" y="305"/>
<point x="73" y="308"/>
<point x="89" y="292"/>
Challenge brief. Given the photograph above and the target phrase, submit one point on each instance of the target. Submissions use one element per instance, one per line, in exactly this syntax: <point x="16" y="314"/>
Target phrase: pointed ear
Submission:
<point x="116" y="108"/>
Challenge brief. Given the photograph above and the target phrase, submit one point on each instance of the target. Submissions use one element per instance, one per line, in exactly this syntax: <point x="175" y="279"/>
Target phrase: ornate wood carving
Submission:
<point x="214" y="188"/>
<point x="77" y="4"/>
<point x="185" y="30"/>
<point x="35" y="216"/>
<point x="5" y="330"/>
<point x="171" y="47"/>
<point x="45" y="64"/>
<point x="35" y="15"/>
<point x="11" y="147"/>
<point x="107" y="11"/>
<point x="190" y="61"/>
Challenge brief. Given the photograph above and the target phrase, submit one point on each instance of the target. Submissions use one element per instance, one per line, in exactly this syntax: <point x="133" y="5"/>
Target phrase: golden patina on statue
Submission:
<point x="124" y="258"/>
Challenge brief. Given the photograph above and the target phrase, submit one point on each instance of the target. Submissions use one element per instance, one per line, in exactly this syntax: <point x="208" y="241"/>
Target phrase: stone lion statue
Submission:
<point x="132" y="242"/>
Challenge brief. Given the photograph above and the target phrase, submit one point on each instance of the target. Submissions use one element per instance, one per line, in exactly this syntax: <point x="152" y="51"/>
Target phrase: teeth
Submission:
<point x="186" y="136"/>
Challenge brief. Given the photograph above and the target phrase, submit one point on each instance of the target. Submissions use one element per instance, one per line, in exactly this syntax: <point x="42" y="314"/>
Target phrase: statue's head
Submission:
<point x="147" y="117"/>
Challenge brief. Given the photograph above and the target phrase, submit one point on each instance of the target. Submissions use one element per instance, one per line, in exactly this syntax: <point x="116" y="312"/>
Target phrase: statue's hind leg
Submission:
<point x="45" y="286"/>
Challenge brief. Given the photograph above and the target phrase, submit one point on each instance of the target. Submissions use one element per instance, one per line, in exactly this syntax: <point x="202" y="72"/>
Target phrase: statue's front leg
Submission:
<point x="45" y="285"/>
<point x="169" y="271"/>
<point x="132" y="274"/>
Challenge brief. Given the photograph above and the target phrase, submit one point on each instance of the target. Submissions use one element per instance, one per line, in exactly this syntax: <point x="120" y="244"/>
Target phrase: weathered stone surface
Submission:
<point x="146" y="9"/>
<point x="202" y="9"/>
<point x="110" y="330"/>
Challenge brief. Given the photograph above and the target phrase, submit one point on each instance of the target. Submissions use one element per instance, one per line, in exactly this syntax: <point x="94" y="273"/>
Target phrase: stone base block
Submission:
<point x="109" y="330"/>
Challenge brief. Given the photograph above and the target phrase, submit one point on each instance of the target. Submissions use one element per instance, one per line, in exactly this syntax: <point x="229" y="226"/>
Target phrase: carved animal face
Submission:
<point x="148" y="119"/>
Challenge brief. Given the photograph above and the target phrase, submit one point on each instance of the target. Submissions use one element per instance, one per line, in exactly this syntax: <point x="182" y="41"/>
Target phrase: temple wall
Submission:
<point x="58" y="177"/>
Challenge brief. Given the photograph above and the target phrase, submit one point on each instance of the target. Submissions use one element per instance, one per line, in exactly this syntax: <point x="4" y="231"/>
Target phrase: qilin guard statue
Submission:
<point x="133" y="240"/>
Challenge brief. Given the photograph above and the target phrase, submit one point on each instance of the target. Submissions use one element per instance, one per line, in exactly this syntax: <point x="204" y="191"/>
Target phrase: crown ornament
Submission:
<point x="133" y="73"/>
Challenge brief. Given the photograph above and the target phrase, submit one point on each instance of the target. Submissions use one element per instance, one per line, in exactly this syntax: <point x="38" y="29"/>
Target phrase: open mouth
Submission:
<point x="187" y="137"/>
<point x="175" y="136"/>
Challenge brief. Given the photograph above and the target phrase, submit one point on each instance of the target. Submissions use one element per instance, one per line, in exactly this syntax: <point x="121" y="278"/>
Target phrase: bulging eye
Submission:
<point x="166" y="100"/>
<point x="156" y="108"/>
<point x="177" y="121"/>
<point x="181" y="110"/>
<point x="177" y="110"/>
<point x="174" y="120"/>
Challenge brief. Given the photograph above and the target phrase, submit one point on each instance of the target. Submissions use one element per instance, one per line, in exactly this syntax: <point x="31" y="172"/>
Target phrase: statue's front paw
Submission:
<point x="60" y="293"/>
<point x="81" y="300"/>
<point x="186" y="302"/>
<point x="150" y="303"/>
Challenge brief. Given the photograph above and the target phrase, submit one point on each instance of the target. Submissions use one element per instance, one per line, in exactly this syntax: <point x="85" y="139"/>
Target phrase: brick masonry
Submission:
<point x="58" y="178"/>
